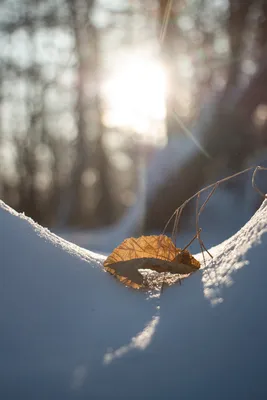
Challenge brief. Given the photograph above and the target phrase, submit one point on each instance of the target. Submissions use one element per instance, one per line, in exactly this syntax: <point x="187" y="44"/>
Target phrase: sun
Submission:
<point x="135" y="95"/>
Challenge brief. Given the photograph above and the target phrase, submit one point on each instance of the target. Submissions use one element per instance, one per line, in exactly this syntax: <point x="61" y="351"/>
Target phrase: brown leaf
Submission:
<point x="157" y="253"/>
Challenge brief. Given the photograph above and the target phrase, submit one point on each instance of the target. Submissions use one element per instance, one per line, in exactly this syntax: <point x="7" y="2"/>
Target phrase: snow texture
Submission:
<point x="168" y="159"/>
<point x="69" y="330"/>
<point x="221" y="217"/>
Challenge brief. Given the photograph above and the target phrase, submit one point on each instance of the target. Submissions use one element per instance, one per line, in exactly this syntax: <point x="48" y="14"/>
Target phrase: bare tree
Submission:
<point x="90" y="155"/>
<point x="168" y="35"/>
<point x="231" y="137"/>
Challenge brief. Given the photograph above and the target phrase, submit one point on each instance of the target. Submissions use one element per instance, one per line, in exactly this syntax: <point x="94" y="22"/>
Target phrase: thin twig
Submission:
<point x="165" y="22"/>
<point x="177" y="213"/>
<point x="258" y="168"/>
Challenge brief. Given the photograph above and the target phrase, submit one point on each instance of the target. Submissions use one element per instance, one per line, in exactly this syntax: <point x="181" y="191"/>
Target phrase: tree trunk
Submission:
<point x="89" y="150"/>
<point x="168" y="41"/>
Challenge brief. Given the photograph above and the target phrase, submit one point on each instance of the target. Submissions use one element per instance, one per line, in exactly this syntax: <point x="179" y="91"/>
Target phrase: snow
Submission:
<point x="69" y="330"/>
<point x="171" y="158"/>
<point x="166" y="160"/>
<point x="223" y="216"/>
<point x="175" y="154"/>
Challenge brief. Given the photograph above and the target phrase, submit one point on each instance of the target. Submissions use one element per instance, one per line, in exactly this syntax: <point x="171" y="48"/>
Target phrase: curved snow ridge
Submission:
<point x="234" y="254"/>
<point x="70" y="331"/>
<point x="27" y="224"/>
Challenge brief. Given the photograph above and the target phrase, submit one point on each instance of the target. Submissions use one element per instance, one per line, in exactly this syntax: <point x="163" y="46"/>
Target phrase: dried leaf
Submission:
<point x="156" y="253"/>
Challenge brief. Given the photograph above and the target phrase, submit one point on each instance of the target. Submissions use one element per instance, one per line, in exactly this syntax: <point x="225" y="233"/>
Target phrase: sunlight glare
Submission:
<point x="135" y="95"/>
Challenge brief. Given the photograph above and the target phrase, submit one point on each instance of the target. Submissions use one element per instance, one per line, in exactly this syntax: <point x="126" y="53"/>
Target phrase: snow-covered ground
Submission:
<point x="225" y="213"/>
<point x="175" y="154"/>
<point x="70" y="330"/>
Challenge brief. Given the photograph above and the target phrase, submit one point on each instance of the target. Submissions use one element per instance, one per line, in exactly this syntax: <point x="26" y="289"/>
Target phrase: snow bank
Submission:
<point x="70" y="330"/>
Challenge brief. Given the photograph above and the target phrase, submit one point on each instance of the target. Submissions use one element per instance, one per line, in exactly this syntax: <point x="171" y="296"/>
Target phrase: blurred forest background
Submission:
<point x="91" y="91"/>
